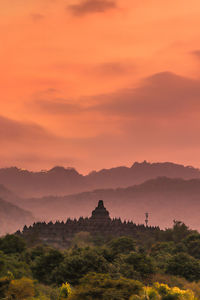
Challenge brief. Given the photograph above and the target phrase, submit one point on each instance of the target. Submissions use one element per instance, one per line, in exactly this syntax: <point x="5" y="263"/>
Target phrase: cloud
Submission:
<point x="157" y="120"/>
<point x="36" y="17"/>
<point x="16" y="131"/>
<point x="60" y="106"/>
<point x="161" y="95"/>
<point x="91" y="6"/>
<point x="114" y="69"/>
<point x="196" y="53"/>
<point x="30" y="144"/>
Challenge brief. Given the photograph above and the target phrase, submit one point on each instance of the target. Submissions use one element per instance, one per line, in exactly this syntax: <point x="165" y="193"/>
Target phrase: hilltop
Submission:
<point x="62" y="181"/>
<point x="164" y="198"/>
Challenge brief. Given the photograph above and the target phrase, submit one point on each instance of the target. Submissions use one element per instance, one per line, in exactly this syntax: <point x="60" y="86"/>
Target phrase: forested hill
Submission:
<point x="164" y="198"/>
<point x="163" y="266"/>
<point x="62" y="181"/>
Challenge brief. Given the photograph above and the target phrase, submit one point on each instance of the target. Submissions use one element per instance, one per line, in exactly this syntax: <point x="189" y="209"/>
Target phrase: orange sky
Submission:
<point x="99" y="83"/>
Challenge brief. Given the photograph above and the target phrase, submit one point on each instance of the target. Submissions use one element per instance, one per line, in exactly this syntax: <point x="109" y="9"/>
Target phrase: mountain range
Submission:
<point x="164" y="198"/>
<point x="166" y="190"/>
<point x="64" y="181"/>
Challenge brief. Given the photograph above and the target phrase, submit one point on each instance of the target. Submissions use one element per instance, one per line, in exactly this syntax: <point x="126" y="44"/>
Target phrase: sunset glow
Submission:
<point x="94" y="84"/>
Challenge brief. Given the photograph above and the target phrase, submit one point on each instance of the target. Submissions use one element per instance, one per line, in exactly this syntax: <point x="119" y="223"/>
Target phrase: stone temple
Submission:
<point x="100" y="214"/>
<point x="99" y="224"/>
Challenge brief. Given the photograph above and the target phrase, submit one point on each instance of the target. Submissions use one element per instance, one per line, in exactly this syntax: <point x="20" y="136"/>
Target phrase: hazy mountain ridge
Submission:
<point x="62" y="181"/>
<point x="13" y="217"/>
<point x="164" y="198"/>
<point x="8" y="195"/>
<point x="26" y="183"/>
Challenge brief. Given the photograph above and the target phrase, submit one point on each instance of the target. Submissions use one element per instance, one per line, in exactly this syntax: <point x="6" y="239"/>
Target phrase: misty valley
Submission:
<point x="140" y="242"/>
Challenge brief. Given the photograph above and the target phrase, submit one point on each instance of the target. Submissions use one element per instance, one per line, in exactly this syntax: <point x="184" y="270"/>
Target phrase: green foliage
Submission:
<point x="37" y="251"/>
<point x="116" y="269"/>
<point x="151" y="293"/>
<point x="44" y="292"/>
<point x="192" y="244"/>
<point x="141" y="263"/>
<point x="4" y="284"/>
<point x="21" y="289"/>
<point x="177" y="233"/>
<point x="174" y="293"/>
<point x="195" y="287"/>
<point x="12" y="244"/>
<point x="163" y="292"/>
<point x="78" y="263"/>
<point x="170" y="280"/>
<point x="82" y="239"/>
<point x="122" y="245"/>
<point x="44" y="265"/>
<point x="15" y="264"/>
<point x="65" y="291"/>
<point x="162" y="248"/>
<point x="103" y="287"/>
<point x="184" y="265"/>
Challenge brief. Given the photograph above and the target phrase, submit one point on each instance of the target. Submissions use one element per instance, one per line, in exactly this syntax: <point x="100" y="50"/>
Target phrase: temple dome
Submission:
<point x="100" y="213"/>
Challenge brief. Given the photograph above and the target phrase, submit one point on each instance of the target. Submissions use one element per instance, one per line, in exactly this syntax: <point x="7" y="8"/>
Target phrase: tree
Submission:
<point x="4" y="284"/>
<point x="173" y="293"/>
<point x="141" y="263"/>
<point x="65" y="291"/>
<point x="21" y="289"/>
<point x="192" y="243"/>
<point x="161" y="248"/>
<point x="184" y="265"/>
<point x="12" y="244"/>
<point x="82" y="239"/>
<point x="163" y="292"/>
<point x="103" y="287"/>
<point x="178" y="232"/>
<point x="122" y="244"/>
<point x="44" y="265"/>
<point x="79" y="263"/>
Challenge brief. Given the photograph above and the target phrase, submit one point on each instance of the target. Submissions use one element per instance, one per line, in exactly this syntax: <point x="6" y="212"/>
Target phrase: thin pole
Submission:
<point x="147" y="218"/>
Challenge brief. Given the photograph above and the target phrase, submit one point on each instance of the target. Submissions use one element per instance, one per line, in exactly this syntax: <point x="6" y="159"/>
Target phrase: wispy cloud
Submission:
<point x="36" y="17"/>
<point x="16" y="131"/>
<point x="160" y="95"/>
<point x="59" y="106"/>
<point x="91" y="6"/>
<point x="25" y="143"/>
<point x="113" y="69"/>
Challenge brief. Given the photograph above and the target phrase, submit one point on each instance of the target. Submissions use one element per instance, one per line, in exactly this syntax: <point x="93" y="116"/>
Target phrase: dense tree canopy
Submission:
<point x="163" y="268"/>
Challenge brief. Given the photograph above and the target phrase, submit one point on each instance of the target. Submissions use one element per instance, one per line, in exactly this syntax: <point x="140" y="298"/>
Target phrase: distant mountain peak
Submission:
<point x="60" y="169"/>
<point x="62" y="181"/>
<point x="137" y="164"/>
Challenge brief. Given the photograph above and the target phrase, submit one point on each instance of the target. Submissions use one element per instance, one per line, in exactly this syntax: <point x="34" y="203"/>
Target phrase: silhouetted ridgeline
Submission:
<point x="164" y="198"/>
<point x="61" y="234"/>
<point x="61" y="181"/>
